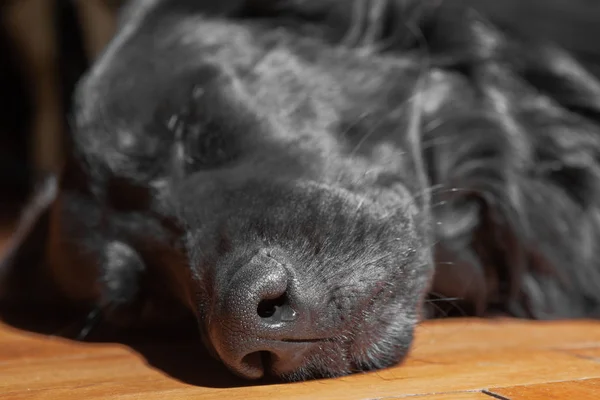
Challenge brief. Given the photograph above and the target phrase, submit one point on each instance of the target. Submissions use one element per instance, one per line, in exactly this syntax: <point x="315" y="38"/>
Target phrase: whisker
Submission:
<point x="439" y="309"/>
<point x="433" y="293"/>
<point x="450" y="301"/>
<point x="443" y="299"/>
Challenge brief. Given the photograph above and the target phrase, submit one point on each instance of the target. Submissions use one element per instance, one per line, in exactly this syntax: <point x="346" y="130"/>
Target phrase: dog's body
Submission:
<point x="310" y="160"/>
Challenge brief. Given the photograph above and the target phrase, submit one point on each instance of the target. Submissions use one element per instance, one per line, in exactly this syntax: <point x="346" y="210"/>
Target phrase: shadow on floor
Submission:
<point x="172" y="350"/>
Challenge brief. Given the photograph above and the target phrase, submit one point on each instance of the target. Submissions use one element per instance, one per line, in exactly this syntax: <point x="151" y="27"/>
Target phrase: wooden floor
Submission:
<point x="462" y="359"/>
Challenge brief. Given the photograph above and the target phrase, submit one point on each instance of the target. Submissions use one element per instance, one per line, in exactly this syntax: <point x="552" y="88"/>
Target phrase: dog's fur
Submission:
<point x="364" y="141"/>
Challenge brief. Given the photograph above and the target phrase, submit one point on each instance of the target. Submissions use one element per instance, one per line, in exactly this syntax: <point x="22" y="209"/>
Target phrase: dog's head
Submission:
<point x="287" y="160"/>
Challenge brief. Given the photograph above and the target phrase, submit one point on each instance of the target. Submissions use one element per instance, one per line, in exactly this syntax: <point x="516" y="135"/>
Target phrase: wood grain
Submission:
<point x="451" y="396"/>
<point x="581" y="390"/>
<point x="593" y="353"/>
<point x="451" y="359"/>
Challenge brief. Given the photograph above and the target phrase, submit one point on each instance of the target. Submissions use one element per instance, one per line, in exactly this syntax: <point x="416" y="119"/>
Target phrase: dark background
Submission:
<point x="45" y="46"/>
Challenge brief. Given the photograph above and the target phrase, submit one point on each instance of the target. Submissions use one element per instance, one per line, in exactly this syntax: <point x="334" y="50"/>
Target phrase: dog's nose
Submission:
<point x="261" y="321"/>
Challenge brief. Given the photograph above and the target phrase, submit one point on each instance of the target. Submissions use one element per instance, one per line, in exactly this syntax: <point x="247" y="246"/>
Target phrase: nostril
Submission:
<point x="252" y="365"/>
<point x="269" y="307"/>
<point x="278" y="309"/>
<point x="256" y="364"/>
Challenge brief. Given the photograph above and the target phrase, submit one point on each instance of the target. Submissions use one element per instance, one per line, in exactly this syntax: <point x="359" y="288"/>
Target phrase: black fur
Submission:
<point x="355" y="141"/>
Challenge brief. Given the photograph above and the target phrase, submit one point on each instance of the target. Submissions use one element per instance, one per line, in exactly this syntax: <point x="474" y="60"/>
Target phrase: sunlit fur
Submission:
<point x="367" y="142"/>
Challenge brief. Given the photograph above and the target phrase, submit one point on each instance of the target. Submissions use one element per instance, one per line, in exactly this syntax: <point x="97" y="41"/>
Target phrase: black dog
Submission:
<point x="288" y="171"/>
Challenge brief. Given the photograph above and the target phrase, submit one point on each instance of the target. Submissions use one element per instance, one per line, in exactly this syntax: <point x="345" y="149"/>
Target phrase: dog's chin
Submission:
<point x="332" y="360"/>
<point x="376" y="347"/>
<point x="382" y="346"/>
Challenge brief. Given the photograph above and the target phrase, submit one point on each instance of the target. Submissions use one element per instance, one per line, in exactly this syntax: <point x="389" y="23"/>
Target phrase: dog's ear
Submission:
<point x="22" y="262"/>
<point x="479" y="253"/>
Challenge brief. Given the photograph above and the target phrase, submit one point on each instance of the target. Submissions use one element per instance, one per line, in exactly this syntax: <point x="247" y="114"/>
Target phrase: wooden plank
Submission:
<point x="450" y="396"/>
<point x="471" y="333"/>
<point x="442" y="362"/>
<point x="587" y="389"/>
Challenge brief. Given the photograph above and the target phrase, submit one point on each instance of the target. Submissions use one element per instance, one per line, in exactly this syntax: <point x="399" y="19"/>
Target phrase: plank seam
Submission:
<point x="494" y="395"/>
